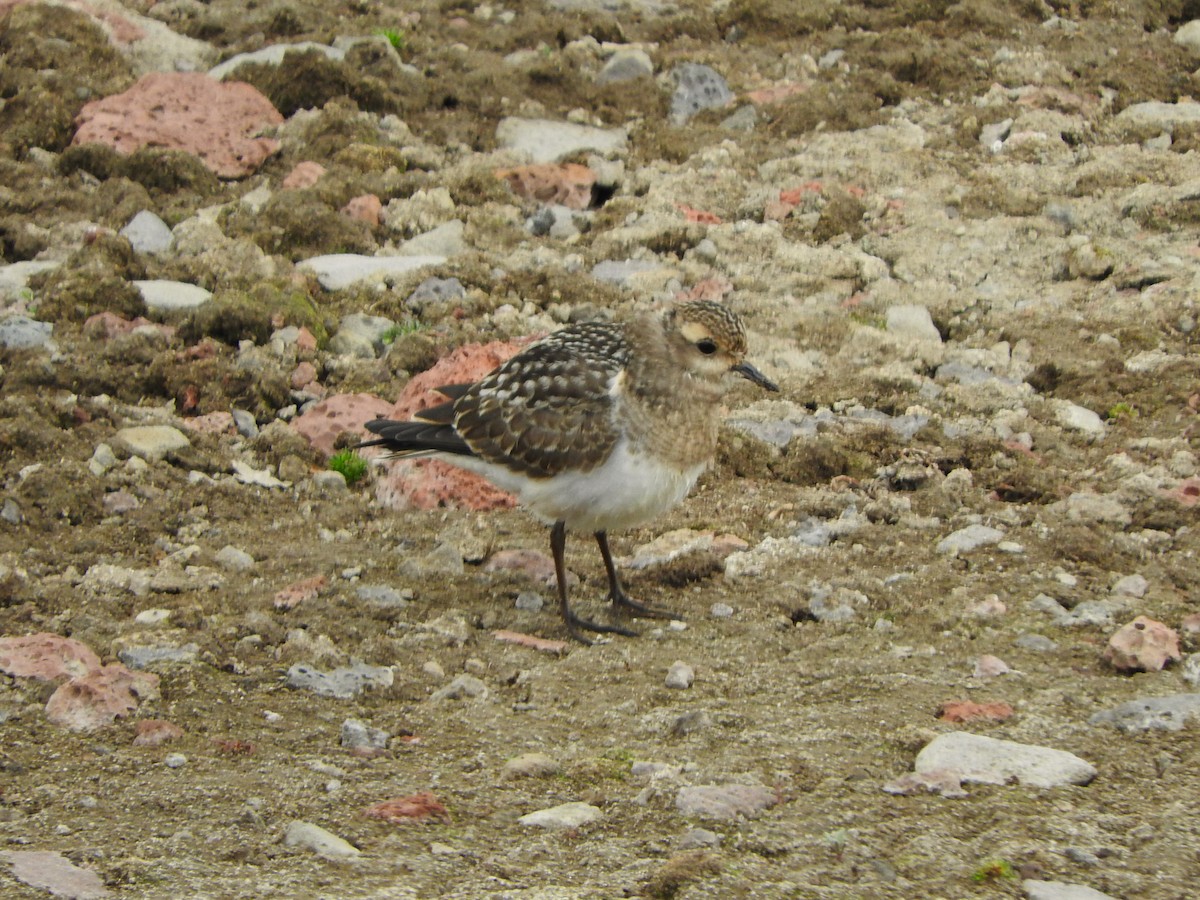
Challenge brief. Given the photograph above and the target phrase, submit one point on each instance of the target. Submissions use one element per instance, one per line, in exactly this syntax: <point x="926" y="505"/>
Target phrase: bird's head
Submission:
<point x="710" y="340"/>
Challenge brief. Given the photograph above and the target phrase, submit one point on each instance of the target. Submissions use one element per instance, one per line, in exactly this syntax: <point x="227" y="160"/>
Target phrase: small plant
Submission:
<point x="1122" y="410"/>
<point x="399" y="330"/>
<point x="352" y="466"/>
<point x="993" y="870"/>
<point x="394" y="36"/>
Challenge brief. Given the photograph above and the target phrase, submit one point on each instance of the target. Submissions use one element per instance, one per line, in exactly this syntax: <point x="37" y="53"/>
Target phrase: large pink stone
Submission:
<point x="47" y="657"/>
<point x="98" y="698"/>
<point x="324" y="421"/>
<point x="427" y="484"/>
<point x="1143" y="645"/>
<point x="217" y="121"/>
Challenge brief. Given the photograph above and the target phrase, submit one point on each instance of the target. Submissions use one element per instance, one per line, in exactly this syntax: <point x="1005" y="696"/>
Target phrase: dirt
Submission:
<point x="822" y="713"/>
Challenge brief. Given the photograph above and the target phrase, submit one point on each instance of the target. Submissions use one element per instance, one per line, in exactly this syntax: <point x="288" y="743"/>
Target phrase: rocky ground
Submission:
<point x="939" y="600"/>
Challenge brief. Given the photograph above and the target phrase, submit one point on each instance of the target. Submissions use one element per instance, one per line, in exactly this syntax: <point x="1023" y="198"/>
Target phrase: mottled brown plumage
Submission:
<point x="598" y="426"/>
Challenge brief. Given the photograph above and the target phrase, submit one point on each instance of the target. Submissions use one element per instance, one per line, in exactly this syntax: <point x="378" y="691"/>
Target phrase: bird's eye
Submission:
<point x="707" y="346"/>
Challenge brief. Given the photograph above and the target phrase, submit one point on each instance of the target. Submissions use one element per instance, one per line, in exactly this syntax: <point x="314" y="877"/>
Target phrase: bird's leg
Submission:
<point x="617" y="594"/>
<point x="558" y="544"/>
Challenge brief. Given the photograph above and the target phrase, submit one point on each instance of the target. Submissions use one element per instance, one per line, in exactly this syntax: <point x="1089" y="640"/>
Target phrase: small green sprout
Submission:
<point x="1122" y="410"/>
<point x="993" y="870"/>
<point x="352" y="466"/>
<point x="394" y="36"/>
<point x="400" y="329"/>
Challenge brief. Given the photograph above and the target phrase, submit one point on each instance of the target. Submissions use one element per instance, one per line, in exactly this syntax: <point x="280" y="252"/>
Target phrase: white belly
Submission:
<point x="628" y="490"/>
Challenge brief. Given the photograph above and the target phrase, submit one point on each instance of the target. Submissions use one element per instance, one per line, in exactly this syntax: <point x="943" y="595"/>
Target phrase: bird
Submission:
<point x="596" y="427"/>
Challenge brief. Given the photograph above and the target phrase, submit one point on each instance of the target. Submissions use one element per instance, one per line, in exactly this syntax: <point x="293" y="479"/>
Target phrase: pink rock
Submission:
<point x="50" y="871"/>
<point x="988" y="607"/>
<point x="153" y="732"/>
<point x="322" y="424"/>
<point x="108" y="324"/>
<point x="305" y="341"/>
<point x="1143" y="645"/>
<point x="536" y="565"/>
<point x="427" y="484"/>
<point x="304" y="175"/>
<point x="47" y="657"/>
<point x="119" y="502"/>
<point x="568" y="184"/>
<point x="98" y="698"/>
<point x="218" y="122"/>
<point x="304" y="374"/>
<point x="960" y="711"/>
<point x="990" y="666"/>
<point x="366" y="208"/>
<point x="300" y="591"/>
<point x="219" y="422"/>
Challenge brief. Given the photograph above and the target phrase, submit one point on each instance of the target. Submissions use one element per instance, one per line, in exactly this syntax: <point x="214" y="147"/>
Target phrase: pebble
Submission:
<point x="1061" y="890"/>
<point x="724" y="801"/>
<point x="1038" y="643"/>
<point x="977" y="759"/>
<point x="680" y="676"/>
<point x="697" y="87"/>
<point x="172" y="296"/>
<point x="175" y="760"/>
<point x="102" y="460"/>
<point x="912" y="323"/>
<point x="435" y="290"/>
<point x="462" y="686"/>
<point x="721" y="611"/>
<point x="358" y="735"/>
<point x="697" y="838"/>
<point x="147" y="233"/>
<point x="328" y="481"/>
<point x="23" y="333"/>
<point x="234" y="559"/>
<point x="152" y="616"/>
<point x="970" y="538"/>
<point x="548" y="140"/>
<point x="565" y="815"/>
<point x="307" y="836"/>
<point x="335" y="271"/>
<point x="384" y="595"/>
<point x="151" y="442"/>
<point x="244" y="422"/>
<point x="1170" y="713"/>
<point x="344" y="683"/>
<point x="10" y="511"/>
<point x="531" y="765"/>
<point x="530" y="601"/>
<point x="144" y="657"/>
<point x="360" y="335"/>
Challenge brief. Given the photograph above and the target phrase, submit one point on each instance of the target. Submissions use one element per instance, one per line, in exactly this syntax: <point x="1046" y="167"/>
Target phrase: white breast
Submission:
<point x="626" y="491"/>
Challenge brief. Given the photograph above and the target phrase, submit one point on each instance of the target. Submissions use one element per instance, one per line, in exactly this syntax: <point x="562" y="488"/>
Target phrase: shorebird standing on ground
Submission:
<point x="596" y="427"/>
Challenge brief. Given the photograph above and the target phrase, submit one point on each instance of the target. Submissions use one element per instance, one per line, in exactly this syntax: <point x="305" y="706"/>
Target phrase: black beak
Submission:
<point x="749" y="372"/>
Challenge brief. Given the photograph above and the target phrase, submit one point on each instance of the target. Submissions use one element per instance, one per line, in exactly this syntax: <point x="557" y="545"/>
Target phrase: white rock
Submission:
<point x="984" y="760"/>
<point x="913" y="323"/>
<point x="1078" y="418"/>
<point x="151" y="442"/>
<point x="970" y="538"/>
<point x="1061" y="890"/>
<point x="234" y="559"/>
<point x="338" y="270"/>
<point x="248" y="475"/>
<point x="172" y="296"/>
<point x="273" y="55"/>
<point x="565" y="815"/>
<point x="546" y="140"/>
<point x="308" y="836"/>
<point x="1188" y="36"/>
<point x="680" y="676"/>
<point x="147" y="233"/>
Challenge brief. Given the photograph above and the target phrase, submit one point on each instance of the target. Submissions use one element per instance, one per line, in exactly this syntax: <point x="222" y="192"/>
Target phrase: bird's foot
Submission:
<point x="624" y="601"/>
<point x="575" y="623"/>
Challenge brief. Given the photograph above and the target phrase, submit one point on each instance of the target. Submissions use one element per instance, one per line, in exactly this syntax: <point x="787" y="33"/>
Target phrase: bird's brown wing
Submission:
<point x="549" y="408"/>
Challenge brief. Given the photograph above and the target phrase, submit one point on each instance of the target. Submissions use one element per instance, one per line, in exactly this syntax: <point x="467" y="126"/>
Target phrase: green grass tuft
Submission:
<point x="352" y="466"/>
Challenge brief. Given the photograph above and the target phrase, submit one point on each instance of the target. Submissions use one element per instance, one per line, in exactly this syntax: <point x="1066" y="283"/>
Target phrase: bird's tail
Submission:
<point x="416" y="439"/>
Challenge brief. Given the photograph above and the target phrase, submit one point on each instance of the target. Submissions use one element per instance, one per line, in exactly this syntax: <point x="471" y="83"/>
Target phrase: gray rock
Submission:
<point x="383" y="595"/>
<point x="328" y="481"/>
<point x="556" y="221"/>
<point x="1038" y="643"/>
<point x="1191" y="669"/>
<point x="358" y="735"/>
<point x="626" y="65"/>
<point x="546" y="140"/>
<point x="680" y="676"/>
<point x="1156" y="115"/>
<point x="983" y="760"/>
<point x="47" y="870"/>
<point x="151" y="442"/>
<point x="445" y="240"/>
<point x="1132" y="586"/>
<point x="531" y="765"/>
<point x="721" y="611"/>
<point x="147" y="657"/>
<point x="697" y="838"/>
<point x="14" y="278"/>
<point x="244" y="422"/>
<point x="234" y="559"/>
<point x="697" y="87"/>
<point x="172" y="296"/>
<point x="744" y="118"/>
<point x="360" y="335"/>
<point x="335" y="271"/>
<point x="1103" y="508"/>
<point x="993" y="135"/>
<point x="913" y="323"/>
<point x="724" y="801"/>
<point x="10" y="512"/>
<point x="342" y="684"/>
<point x="970" y="538"/>
<point x="24" y="333"/>
<point x="1093" y="612"/>
<point x="1169" y="713"/>
<point x="147" y="233"/>
<point x="565" y="815"/>
<point x="175" y="760"/>
<point x="1061" y="890"/>
<point x="462" y="686"/>
<point x="530" y="601"/>
<point x="102" y="460"/>
<point x="307" y="836"/>
<point x="435" y="289"/>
